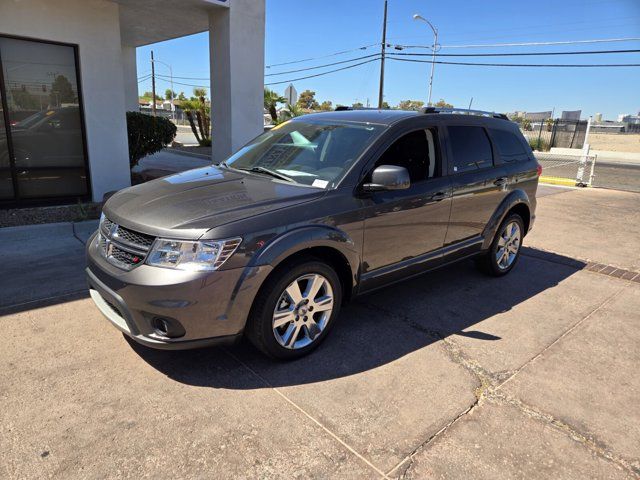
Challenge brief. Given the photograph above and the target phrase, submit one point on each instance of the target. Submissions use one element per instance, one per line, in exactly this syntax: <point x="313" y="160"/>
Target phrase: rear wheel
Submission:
<point x="505" y="248"/>
<point x="292" y="315"/>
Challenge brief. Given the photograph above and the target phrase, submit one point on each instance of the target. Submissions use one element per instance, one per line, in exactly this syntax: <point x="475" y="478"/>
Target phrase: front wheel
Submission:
<point x="293" y="313"/>
<point x="505" y="248"/>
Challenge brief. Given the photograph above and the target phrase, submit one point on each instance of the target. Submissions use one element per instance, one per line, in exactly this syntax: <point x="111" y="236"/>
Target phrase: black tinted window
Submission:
<point x="471" y="148"/>
<point x="510" y="147"/>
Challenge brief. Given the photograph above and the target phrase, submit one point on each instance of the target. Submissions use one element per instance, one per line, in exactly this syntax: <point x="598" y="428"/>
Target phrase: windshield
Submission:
<point x="315" y="154"/>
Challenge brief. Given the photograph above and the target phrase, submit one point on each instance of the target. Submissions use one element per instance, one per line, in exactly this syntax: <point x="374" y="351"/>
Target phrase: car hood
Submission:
<point x="187" y="204"/>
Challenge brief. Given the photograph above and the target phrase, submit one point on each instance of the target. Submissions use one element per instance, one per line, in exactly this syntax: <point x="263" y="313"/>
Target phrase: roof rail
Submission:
<point x="343" y="108"/>
<point x="463" y="111"/>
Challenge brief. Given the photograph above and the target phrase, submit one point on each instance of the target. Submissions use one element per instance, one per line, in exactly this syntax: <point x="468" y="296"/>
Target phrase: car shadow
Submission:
<point x="378" y="328"/>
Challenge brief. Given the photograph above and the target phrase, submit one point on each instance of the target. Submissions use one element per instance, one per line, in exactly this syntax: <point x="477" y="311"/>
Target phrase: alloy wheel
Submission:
<point x="303" y="311"/>
<point x="508" y="245"/>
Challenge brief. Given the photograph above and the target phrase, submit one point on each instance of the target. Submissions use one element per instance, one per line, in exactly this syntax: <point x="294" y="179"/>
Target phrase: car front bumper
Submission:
<point x="209" y="307"/>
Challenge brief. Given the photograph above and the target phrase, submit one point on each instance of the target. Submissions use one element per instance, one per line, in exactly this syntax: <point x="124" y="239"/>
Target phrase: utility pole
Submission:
<point x="382" y="55"/>
<point x="153" y="85"/>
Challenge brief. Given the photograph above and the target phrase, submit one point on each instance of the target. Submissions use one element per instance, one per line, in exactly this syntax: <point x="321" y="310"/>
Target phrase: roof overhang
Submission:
<point x="150" y="21"/>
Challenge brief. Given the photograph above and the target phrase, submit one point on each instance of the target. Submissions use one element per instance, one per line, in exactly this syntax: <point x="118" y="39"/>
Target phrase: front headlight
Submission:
<point x="200" y="256"/>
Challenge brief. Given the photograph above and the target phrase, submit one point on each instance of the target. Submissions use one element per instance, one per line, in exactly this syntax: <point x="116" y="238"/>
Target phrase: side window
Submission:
<point x="417" y="152"/>
<point x="471" y="148"/>
<point x="510" y="147"/>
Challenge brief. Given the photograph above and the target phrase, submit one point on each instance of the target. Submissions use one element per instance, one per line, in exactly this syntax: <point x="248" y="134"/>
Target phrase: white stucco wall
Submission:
<point x="236" y="50"/>
<point x="130" y="78"/>
<point x="94" y="26"/>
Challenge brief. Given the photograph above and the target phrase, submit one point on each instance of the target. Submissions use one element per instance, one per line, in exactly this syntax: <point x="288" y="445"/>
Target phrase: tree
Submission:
<point x="442" y="104"/>
<point x="149" y="95"/>
<point x="181" y="96"/>
<point x="147" y="135"/>
<point x="62" y="91"/>
<point x="198" y="114"/>
<point x="385" y="106"/>
<point x="169" y="94"/>
<point x="307" y="99"/>
<point x="271" y="101"/>
<point x="200" y="92"/>
<point x="411" y="105"/>
<point x="357" y="105"/>
<point x="526" y="125"/>
<point x="292" y="111"/>
<point x="326" y="106"/>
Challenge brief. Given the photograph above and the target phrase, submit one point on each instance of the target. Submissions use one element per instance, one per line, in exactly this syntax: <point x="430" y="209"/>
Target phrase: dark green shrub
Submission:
<point x="147" y="135"/>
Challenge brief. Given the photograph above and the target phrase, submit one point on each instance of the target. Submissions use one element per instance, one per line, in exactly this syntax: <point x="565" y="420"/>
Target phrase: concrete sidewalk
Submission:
<point x="43" y="261"/>
<point x="450" y="375"/>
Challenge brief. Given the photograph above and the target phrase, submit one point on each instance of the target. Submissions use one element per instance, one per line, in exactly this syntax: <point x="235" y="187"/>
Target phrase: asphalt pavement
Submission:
<point x="617" y="175"/>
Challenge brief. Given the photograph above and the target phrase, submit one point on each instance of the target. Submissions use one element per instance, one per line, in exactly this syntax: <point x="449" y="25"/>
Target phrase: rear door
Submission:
<point x="478" y="184"/>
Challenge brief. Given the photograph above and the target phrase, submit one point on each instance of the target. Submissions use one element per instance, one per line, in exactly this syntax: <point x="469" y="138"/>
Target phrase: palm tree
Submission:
<point x="293" y="111"/>
<point x="271" y="101"/>
<point x="199" y="116"/>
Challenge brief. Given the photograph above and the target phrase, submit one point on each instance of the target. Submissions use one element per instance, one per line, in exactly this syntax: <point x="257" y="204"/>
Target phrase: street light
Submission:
<point x="435" y="44"/>
<point x="173" y="108"/>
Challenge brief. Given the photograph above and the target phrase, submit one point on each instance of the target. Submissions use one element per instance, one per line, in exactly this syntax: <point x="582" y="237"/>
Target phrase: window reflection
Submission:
<point x="41" y="90"/>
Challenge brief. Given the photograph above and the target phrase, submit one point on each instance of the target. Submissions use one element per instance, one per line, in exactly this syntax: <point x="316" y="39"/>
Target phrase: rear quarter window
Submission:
<point x="509" y="145"/>
<point x="470" y="147"/>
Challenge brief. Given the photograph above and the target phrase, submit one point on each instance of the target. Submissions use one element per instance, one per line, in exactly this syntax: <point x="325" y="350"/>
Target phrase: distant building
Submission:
<point x="537" y="116"/>
<point x="597" y="118"/>
<point x="571" y="114"/>
<point x="632" y="119"/>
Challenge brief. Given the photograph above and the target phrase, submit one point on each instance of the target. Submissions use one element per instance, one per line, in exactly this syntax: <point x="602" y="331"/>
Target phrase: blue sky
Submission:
<point x="296" y="30"/>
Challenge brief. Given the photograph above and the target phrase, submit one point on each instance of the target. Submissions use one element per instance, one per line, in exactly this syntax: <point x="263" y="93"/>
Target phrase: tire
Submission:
<point x="496" y="261"/>
<point x="303" y="325"/>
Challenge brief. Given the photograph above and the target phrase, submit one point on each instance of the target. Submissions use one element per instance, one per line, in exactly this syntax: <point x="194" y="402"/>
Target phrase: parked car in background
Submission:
<point x="271" y="242"/>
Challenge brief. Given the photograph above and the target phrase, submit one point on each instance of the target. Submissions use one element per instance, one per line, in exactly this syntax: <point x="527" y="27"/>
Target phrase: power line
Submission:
<point x="324" y="73"/>
<point x="586" y="65"/>
<point x="582" y="52"/>
<point x="531" y="44"/>
<point x="364" y="47"/>
<point x="323" y="66"/>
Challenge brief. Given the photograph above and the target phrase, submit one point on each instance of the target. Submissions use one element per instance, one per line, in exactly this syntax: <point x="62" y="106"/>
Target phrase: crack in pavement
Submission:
<point x="489" y="384"/>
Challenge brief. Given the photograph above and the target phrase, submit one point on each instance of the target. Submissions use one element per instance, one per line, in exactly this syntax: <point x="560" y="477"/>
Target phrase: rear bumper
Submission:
<point x="208" y="308"/>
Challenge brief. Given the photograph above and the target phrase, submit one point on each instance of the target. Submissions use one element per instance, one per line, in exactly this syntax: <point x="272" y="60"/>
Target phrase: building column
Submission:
<point x="236" y="51"/>
<point x="130" y="76"/>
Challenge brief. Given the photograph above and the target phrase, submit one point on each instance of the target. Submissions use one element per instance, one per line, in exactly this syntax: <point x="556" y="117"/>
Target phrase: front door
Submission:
<point x="404" y="230"/>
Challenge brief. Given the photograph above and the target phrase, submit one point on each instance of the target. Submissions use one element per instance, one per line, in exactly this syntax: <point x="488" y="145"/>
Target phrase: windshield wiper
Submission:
<point x="273" y="173"/>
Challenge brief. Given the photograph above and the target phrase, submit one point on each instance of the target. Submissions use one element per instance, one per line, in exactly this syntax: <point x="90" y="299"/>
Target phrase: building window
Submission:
<point x="42" y="144"/>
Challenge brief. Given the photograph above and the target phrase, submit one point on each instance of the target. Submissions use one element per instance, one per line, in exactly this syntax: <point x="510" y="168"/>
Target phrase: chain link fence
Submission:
<point x="567" y="169"/>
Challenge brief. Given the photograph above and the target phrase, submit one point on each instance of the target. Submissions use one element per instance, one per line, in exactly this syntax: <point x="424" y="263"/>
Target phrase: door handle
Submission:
<point x="501" y="181"/>
<point x="437" y="197"/>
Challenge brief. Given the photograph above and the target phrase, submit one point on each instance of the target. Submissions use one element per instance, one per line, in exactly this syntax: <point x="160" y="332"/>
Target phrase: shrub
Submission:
<point x="147" y="135"/>
<point x="539" y="144"/>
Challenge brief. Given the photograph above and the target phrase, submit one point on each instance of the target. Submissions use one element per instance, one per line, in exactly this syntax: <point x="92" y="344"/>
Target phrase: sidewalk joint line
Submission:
<point x="304" y="412"/>
<point x="567" y="332"/>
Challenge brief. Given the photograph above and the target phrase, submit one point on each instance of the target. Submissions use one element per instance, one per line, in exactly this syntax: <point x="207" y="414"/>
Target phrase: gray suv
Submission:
<point x="271" y="242"/>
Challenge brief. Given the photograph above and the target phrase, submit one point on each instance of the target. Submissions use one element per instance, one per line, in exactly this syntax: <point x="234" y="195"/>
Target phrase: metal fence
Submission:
<point x="567" y="169"/>
<point x="543" y="135"/>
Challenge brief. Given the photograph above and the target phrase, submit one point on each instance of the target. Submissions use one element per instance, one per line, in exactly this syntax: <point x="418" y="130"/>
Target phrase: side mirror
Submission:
<point x="388" y="177"/>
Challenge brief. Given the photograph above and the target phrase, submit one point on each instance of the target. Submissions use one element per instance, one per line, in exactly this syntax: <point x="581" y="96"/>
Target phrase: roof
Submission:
<point x="389" y="117"/>
<point x="380" y="117"/>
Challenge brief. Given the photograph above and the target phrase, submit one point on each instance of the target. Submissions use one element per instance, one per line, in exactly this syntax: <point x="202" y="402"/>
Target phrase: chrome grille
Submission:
<point x="121" y="246"/>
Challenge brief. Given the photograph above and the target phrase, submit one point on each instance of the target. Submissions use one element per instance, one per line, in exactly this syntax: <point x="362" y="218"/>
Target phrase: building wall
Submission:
<point x="236" y="47"/>
<point x="94" y="26"/>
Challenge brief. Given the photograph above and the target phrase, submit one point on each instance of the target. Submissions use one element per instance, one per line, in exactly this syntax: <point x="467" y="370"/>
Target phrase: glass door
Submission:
<point x="42" y="146"/>
<point x="6" y="179"/>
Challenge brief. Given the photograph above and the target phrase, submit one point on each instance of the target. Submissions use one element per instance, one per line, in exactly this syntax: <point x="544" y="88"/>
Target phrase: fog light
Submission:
<point x="167" y="327"/>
